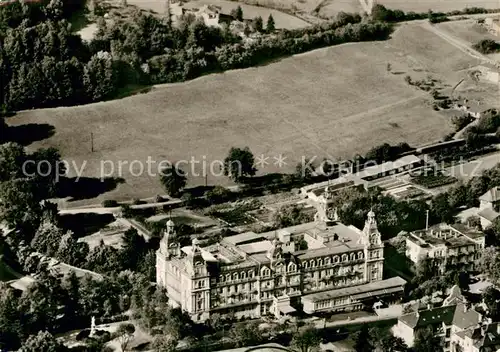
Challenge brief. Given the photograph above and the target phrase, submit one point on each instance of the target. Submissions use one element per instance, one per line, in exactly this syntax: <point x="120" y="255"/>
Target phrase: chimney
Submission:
<point x="429" y="306"/>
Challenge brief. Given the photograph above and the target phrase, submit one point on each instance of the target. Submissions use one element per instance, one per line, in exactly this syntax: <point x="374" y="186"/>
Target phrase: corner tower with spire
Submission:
<point x="374" y="249"/>
<point x="169" y="247"/>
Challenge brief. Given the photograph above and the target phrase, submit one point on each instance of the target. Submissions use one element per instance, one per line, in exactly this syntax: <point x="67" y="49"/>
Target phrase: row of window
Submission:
<point x="335" y="259"/>
<point x="292" y="267"/>
<point x="335" y="302"/>
<point x="242" y="275"/>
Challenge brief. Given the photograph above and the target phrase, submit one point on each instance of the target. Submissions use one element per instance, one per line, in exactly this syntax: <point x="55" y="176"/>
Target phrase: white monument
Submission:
<point x="92" y="326"/>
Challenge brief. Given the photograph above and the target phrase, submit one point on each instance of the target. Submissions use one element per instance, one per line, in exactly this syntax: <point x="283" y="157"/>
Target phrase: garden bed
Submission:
<point x="233" y="217"/>
<point x="409" y="193"/>
<point x="433" y="180"/>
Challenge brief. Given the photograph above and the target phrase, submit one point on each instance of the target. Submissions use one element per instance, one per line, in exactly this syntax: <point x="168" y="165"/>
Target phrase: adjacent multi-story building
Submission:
<point x="461" y="329"/>
<point x="445" y="322"/>
<point x="488" y="206"/>
<point x="449" y="245"/>
<point x="257" y="274"/>
<point x="480" y="338"/>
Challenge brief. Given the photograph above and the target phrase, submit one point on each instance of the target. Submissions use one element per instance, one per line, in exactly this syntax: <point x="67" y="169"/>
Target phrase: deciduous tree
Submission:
<point x="125" y="334"/>
<point x="307" y="339"/>
<point x="164" y="343"/>
<point x="427" y="341"/>
<point x="239" y="163"/>
<point x="42" y="342"/>
<point x="173" y="180"/>
<point x="246" y="334"/>
<point x="491" y="297"/>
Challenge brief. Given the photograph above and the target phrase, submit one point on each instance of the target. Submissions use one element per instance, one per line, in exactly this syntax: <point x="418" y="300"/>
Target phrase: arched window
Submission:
<point x="327" y="261"/>
<point x="250" y="274"/>
<point x="265" y="271"/>
<point x="360" y="255"/>
<point x="353" y="256"/>
<point x="306" y="265"/>
<point x="221" y="278"/>
<point x="344" y="257"/>
<point x="292" y="267"/>
<point x="243" y="275"/>
<point x="320" y="262"/>
<point x="336" y="259"/>
<point x="228" y="277"/>
<point x="313" y="264"/>
<point x="235" y="276"/>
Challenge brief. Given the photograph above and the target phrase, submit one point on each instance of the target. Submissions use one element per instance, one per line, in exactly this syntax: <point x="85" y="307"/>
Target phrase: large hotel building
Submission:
<point x="258" y="274"/>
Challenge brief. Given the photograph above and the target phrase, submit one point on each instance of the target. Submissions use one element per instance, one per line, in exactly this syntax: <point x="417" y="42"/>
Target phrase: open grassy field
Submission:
<point x="330" y="8"/>
<point x="438" y="5"/>
<point x="468" y="30"/>
<point x="282" y="19"/>
<point x="334" y="102"/>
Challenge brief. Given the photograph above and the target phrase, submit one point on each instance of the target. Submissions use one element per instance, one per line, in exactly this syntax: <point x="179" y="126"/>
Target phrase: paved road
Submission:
<point x="115" y="210"/>
<point x="458" y="43"/>
<point x="466" y="171"/>
<point x="386" y="314"/>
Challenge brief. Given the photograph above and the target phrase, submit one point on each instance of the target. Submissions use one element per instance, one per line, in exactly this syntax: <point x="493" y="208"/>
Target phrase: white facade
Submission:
<point x="253" y="275"/>
<point x="448" y="244"/>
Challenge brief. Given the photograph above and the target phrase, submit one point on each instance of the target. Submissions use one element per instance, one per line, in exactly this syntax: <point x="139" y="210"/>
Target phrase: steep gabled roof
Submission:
<point x="492" y="195"/>
<point x="488" y="214"/>
<point x="449" y="315"/>
<point x="465" y="318"/>
<point x="429" y="317"/>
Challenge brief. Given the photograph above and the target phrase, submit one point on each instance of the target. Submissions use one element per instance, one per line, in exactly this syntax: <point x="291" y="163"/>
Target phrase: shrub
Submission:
<point x="109" y="203"/>
<point x="218" y="194"/>
<point x="438" y="19"/>
<point x="461" y="121"/>
<point x="487" y="46"/>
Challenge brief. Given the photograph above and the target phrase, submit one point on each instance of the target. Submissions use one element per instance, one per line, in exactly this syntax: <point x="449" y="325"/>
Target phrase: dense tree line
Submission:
<point x="44" y="64"/>
<point x="54" y="304"/>
<point x="381" y="13"/>
<point x="392" y="216"/>
<point x="23" y="188"/>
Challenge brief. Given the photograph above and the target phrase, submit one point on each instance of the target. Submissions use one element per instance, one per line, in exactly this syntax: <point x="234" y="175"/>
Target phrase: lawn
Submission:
<point x="332" y="102"/>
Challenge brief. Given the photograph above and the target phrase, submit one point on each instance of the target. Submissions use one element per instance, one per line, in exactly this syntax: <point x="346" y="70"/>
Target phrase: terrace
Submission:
<point x="450" y="236"/>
